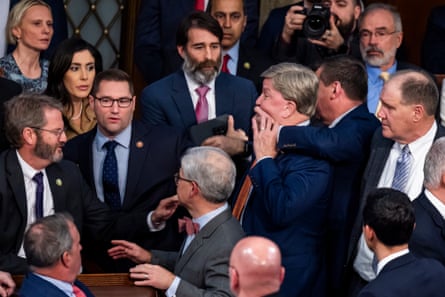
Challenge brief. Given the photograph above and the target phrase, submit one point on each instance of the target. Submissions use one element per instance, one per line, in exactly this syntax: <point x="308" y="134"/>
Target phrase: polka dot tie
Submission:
<point x="110" y="181"/>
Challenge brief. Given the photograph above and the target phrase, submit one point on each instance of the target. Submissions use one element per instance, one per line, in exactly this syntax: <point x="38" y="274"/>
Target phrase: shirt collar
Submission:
<point x="418" y="145"/>
<point x="382" y="263"/>
<point x="374" y="72"/>
<point x="338" y="119"/>
<point x="66" y="287"/>
<point x="438" y="205"/>
<point x="192" y="84"/>
<point x="203" y="220"/>
<point x="122" y="138"/>
<point x="28" y="171"/>
<point x="233" y="52"/>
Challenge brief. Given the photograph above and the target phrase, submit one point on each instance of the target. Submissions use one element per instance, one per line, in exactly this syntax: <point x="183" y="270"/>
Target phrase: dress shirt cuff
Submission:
<point x="262" y="158"/>
<point x="171" y="291"/>
<point x="154" y="227"/>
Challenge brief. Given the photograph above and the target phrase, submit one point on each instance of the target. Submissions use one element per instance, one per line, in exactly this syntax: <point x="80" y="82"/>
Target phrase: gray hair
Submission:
<point x="26" y="110"/>
<point x="47" y="239"/>
<point x="212" y="169"/>
<point x="387" y="7"/>
<point x="296" y="83"/>
<point x="418" y="87"/>
<point x="16" y="15"/>
<point x="434" y="166"/>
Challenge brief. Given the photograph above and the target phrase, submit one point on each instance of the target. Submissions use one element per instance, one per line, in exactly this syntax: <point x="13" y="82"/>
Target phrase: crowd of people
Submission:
<point x="327" y="177"/>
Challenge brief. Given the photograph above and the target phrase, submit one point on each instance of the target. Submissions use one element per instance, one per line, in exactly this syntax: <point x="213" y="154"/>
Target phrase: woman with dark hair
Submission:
<point x="71" y="75"/>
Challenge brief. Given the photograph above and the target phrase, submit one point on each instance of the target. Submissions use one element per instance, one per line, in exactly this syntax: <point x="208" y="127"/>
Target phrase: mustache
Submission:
<point x="207" y="63"/>
<point x="373" y="48"/>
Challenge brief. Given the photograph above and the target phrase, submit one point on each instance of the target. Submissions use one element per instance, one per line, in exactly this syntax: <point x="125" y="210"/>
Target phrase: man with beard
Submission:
<point x="199" y="92"/>
<point x="35" y="182"/>
<point x="380" y="31"/>
<point x="340" y="38"/>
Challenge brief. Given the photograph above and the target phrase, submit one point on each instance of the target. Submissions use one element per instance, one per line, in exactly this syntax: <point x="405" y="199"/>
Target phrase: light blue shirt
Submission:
<point x="233" y="52"/>
<point x="122" y="152"/>
<point x="65" y="287"/>
<point x="375" y="85"/>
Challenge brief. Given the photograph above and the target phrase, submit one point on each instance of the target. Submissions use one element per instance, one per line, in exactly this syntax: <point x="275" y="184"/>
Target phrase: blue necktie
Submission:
<point x="110" y="181"/>
<point x="401" y="174"/>
<point x="38" y="178"/>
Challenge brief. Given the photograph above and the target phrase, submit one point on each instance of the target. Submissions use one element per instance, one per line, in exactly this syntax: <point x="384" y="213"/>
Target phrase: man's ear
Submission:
<point x="65" y="259"/>
<point x="180" y="49"/>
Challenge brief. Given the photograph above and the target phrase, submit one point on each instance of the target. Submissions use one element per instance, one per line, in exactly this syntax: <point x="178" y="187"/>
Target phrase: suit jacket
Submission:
<point x="428" y="238"/>
<point x="70" y="193"/>
<point x="168" y="101"/>
<point x="347" y="147"/>
<point x="8" y="89"/>
<point x="149" y="178"/>
<point x="288" y="205"/>
<point x="380" y="149"/>
<point x="203" y="268"/>
<point x="409" y="277"/>
<point x="251" y="64"/>
<point x="35" y="286"/>
<point x="155" y="44"/>
<point x="433" y="45"/>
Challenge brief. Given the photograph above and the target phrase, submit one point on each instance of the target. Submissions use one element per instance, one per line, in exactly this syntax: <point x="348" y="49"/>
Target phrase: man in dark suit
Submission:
<point x="204" y="183"/>
<point x="381" y="34"/>
<point x="284" y="197"/>
<point x="238" y="58"/>
<point x="155" y="49"/>
<point x="147" y="158"/>
<point x="344" y="141"/>
<point x="9" y="89"/>
<point x="409" y="101"/>
<point x="388" y="222"/>
<point x="52" y="247"/>
<point x="428" y="239"/>
<point x="36" y="182"/>
<point x="173" y="100"/>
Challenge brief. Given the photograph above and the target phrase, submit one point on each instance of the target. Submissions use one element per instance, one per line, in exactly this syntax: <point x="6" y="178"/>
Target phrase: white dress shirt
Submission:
<point x="210" y="96"/>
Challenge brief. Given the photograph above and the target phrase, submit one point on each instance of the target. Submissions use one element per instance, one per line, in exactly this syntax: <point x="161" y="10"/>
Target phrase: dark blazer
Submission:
<point x="203" y="268"/>
<point x="380" y="149"/>
<point x="155" y="52"/>
<point x="251" y="64"/>
<point x="35" y="286"/>
<point x="168" y="101"/>
<point x="70" y="193"/>
<point x="288" y="205"/>
<point x="347" y="147"/>
<point x="154" y="158"/>
<point x="428" y="239"/>
<point x="409" y="277"/>
<point x="8" y="89"/>
<point x="433" y="45"/>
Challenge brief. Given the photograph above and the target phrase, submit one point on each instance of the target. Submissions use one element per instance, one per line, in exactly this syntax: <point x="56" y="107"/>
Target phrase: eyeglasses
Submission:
<point x="178" y="177"/>
<point x="108" y="102"/>
<point x="56" y="132"/>
<point x="381" y="34"/>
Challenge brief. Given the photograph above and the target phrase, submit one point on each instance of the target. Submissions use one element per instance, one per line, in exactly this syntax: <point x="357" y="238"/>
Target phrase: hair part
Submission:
<point x="47" y="239"/>
<point x="198" y="20"/>
<point x="212" y="169"/>
<point x="296" y="83"/>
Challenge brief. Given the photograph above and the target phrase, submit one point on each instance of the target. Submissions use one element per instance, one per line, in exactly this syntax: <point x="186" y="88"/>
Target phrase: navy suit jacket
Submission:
<point x="155" y="52"/>
<point x="288" y="205"/>
<point x="168" y="101"/>
<point x="428" y="239"/>
<point x="347" y="147"/>
<point x="407" y="276"/>
<point x="35" y="286"/>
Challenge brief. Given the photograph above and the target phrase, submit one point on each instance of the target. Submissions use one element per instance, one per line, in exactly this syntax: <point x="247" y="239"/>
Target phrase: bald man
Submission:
<point x="255" y="267"/>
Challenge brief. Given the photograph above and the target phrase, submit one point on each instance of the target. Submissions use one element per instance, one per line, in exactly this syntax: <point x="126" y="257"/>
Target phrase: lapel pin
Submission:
<point x="246" y="65"/>
<point x="59" y="182"/>
<point x="139" y="144"/>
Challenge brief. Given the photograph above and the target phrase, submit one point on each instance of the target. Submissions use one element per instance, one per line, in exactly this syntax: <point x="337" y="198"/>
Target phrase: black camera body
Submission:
<point x="316" y="21"/>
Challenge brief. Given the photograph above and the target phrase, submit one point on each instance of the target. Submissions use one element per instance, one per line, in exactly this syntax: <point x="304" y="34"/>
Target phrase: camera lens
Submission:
<point x="316" y="22"/>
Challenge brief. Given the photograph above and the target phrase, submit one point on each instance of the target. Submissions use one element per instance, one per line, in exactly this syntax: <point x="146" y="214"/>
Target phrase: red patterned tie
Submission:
<point x="202" y="107"/>
<point x="224" y="67"/>
<point x="199" y="5"/>
<point x="78" y="292"/>
<point x="188" y="225"/>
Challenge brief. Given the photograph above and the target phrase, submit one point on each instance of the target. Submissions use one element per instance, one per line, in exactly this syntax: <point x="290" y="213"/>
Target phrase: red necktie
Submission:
<point x="202" y="107"/>
<point x="199" y="5"/>
<point x="188" y="225"/>
<point x="78" y="292"/>
<point x="224" y="67"/>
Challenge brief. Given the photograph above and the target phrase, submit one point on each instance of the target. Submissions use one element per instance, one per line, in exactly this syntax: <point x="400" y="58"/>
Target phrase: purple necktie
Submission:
<point x="38" y="178"/>
<point x="202" y="107"/>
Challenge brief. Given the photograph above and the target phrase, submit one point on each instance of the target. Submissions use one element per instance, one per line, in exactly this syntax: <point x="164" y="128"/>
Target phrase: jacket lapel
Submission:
<point x="183" y="101"/>
<point x="15" y="179"/>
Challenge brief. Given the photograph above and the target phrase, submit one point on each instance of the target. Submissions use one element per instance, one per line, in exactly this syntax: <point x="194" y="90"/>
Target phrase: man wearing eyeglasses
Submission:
<point x="381" y="34"/>
<point x="129" y="166"/>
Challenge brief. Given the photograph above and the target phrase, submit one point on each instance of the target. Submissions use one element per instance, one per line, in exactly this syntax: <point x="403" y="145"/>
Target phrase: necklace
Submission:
<point x="79" y="114"/>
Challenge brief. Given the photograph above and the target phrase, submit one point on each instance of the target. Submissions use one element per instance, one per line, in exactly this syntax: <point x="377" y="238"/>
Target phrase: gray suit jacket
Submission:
<point x="203" y="268"/>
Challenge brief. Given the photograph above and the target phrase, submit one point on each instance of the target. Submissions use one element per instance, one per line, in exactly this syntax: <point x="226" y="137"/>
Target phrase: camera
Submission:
<point x="316" y="21"/>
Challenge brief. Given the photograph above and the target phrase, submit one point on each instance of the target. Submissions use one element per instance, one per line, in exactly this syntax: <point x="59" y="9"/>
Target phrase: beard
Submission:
<point x="47" y="151"/>
<point x="345" y="27"/>
<point x="196" y="70"/>
<point x="385" y="58"/>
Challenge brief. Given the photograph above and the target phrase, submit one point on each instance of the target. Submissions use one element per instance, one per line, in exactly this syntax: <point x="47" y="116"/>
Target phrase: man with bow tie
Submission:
<point x="204" y="183"/>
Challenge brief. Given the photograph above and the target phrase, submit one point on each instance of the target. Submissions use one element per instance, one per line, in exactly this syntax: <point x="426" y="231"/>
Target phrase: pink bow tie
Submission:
<point x="188" y="225"/>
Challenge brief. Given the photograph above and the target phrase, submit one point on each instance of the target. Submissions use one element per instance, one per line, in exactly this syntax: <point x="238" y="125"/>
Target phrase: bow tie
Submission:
<point x="188" y="225"/>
